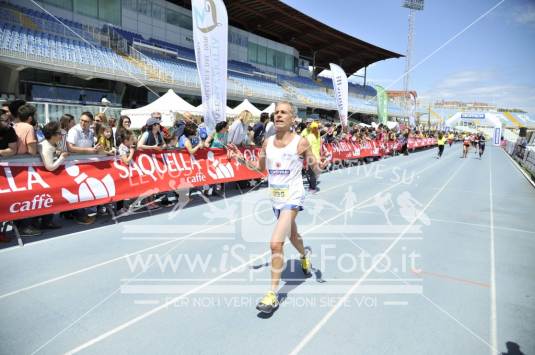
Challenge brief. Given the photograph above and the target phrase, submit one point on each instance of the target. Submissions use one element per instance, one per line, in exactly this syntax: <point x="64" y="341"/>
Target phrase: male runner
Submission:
<point x="283" y="156"/>
<point x="481" y="144"/>
<point x="476" y="143"/>
<point x="441" y="142"/>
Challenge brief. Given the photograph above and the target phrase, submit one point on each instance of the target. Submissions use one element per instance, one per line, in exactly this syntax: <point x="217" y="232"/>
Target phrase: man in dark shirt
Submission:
<point x="8" y="138"/>
<point x="5" y="109"/>
<point x="259" y="129"/>
<point x="8" y="146"/>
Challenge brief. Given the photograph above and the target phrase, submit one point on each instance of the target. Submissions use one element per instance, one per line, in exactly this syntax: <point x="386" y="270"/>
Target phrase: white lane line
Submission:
<point x="461" y="324"/>
<point x="95" y="266"/>
<point x="141" y="317"/>
<point x="486" y="226"/>
<point x="344" y="298"/>
<point x="479" y="225"/>
<point x="493" y="313"/>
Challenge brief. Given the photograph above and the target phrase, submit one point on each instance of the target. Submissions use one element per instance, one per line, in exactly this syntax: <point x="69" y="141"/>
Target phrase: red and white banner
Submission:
<point x="347" y="150"/>
<point x="420" y="142"/>
<point x="28" y="190"/>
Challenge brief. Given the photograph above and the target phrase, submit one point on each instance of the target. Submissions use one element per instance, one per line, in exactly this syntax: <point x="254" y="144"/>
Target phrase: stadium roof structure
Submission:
<point x="282" y="23"/>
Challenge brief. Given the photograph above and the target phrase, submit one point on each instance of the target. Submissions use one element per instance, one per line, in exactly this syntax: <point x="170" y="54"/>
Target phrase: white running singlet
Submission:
<point x="284" y="167"/>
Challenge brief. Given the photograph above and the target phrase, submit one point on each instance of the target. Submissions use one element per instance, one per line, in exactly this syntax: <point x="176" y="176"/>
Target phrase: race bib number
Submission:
<point x="279" y="192"/>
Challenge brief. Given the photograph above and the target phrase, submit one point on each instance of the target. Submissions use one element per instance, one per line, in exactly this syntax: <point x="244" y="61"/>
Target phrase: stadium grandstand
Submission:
<point x="65" y="56"/>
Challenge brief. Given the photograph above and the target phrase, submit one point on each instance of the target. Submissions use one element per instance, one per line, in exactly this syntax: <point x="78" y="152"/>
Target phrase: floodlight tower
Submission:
<point x="413" y="6"/>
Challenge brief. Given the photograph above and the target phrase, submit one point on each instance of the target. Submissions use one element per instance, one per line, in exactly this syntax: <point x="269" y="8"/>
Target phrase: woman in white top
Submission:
<point x="283" y="155"/>
<point x="238" y="130"/>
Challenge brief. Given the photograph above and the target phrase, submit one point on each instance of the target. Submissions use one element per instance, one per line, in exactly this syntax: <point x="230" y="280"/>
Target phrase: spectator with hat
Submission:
<point x="152" y="138"/>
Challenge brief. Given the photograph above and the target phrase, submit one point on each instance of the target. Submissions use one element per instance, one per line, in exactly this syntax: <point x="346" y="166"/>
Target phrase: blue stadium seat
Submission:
<point x="23" y="40"/>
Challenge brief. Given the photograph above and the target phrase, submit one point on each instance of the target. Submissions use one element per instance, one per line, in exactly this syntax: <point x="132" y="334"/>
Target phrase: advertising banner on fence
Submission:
<point x="28" y="190"/>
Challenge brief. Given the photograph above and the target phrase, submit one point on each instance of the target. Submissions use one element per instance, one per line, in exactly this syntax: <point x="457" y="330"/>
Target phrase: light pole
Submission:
<point x="413" y="6"/>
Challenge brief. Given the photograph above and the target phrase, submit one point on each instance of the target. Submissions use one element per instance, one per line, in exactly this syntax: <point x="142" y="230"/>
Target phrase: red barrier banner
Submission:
<point x="347" y="150"/>
<point x="420" y="142"/>
<point x="28" y="190"/>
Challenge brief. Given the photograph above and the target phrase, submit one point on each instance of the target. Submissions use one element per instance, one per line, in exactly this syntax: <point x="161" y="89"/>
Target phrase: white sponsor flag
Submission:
<point x="210" y="38"/>
<point x="412" y="108"/>
<point x="340" y="92"/>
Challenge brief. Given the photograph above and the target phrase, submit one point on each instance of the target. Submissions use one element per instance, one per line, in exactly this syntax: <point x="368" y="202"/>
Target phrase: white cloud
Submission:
<point x="525" y="14"/>
<point x="467" y="77"/>
<point x="482" y="86"/>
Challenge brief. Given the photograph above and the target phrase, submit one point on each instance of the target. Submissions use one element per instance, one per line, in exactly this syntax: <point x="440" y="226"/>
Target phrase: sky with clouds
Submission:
<point x="488" y="58"/>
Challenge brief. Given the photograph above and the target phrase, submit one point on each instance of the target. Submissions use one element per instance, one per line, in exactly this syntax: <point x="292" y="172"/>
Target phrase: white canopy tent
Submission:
<point x="270" y="109"/>
<point x="168" y="105"/>
<point x="246" y="105"/>
<point x="391" y="124"/>
<point x="228" y="112"/>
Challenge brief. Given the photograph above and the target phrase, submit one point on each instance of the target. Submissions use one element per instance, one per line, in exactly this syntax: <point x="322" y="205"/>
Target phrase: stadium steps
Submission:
<point x="290" y="90"/>
<point x="149" y="70"/>
<point x="27" y="22"/>
<point x="440" y="119"/>
<point x="288" y="87"/>
<point x="512" y="118"/>
<point x="23" y="20"/>
<point x="294" y="94"/>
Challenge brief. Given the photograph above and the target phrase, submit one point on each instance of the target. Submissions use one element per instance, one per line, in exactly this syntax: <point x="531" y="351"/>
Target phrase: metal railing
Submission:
<point x="150" y="70"/>
<point x="63" y="63"/>
<point x="49" y="111"/>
